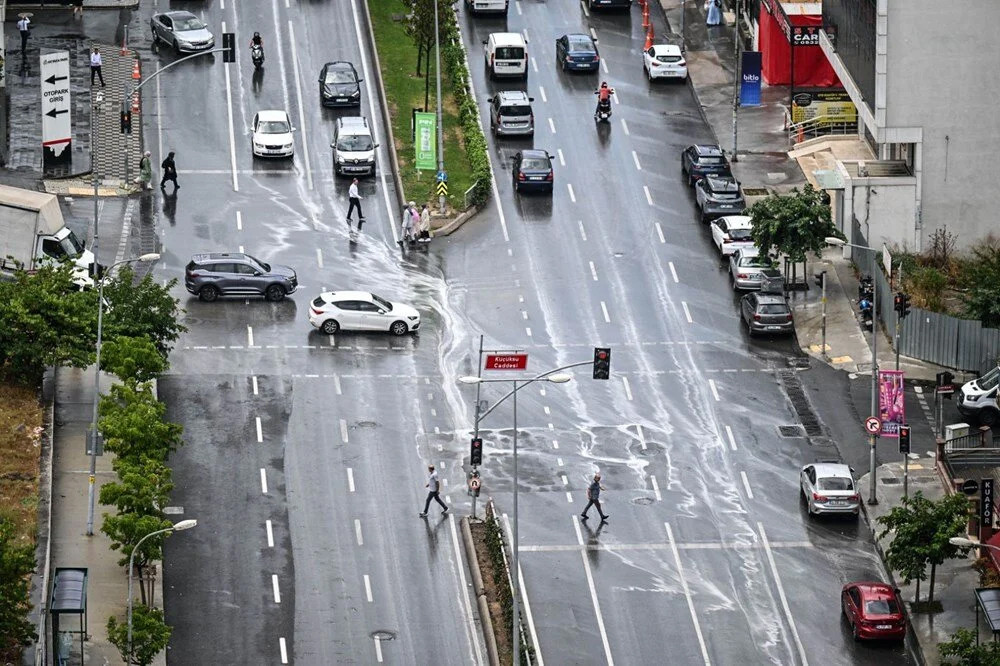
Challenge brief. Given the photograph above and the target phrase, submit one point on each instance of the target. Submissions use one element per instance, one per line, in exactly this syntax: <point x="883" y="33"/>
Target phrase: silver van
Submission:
<point x="511" y="114"/>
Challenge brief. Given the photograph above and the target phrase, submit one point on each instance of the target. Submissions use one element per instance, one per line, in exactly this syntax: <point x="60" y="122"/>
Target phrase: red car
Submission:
<point x="874" y="610"/>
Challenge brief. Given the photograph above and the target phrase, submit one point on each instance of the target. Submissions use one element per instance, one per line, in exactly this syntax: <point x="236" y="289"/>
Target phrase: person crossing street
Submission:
<point x="354" y="196"/>
<point x="594" y="495"/>
<point x="24" y="27"/>
<point x="95" y="69"/>
<point x="433" y="486"/>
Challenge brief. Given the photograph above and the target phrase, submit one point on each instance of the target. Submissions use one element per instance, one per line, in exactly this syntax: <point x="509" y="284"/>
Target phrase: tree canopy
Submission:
<point x="795" y="223"/>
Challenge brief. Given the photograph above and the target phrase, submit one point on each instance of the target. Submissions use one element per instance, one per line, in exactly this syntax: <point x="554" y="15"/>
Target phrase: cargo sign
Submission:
<point x="506" y="361"/>
<point x="57" y="130"/>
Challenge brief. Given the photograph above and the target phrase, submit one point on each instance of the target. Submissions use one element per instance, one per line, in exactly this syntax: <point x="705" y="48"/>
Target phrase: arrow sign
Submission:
<point x="52" y="113"/>
<point x="57" y="130"/>
<point x="52" y="79"/>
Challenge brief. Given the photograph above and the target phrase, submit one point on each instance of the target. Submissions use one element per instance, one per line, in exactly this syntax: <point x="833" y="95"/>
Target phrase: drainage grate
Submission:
<point x="800" y="403"/>
<point x="889" y="481"/>
<point x="383" y="635"/>
<point x="791" y="431"/>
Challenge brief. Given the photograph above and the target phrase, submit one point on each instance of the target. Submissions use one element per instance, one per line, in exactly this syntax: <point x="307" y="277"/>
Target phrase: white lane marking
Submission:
<point x="604" y="310"/>
<point x="635" y="158"/>
<point x="593" y="594"/>
<point x="534" y="65"/>
<point x="565" y="479"/>
<point x="615" y="96"/>
<point x="781" y="594"/>
<point x="274" y="588"/>
<point x="746" y="484"/>
<point x="357" y="532"/>
<point x="517" y="6"/>
<point x="528" y="615"/>
<point x="336" y="378"/>
<point x="628" y="389"/>
<point x="241" y="252"/>
<point x="368" y="589"/>
<point x="659" y="232"/>
<point x="604" y="65"/>
<point x="541" y="89"/>
<point x="559" y="461"/>
<point x="715" y="389"/>
<point x="378" y="649"/>
<point x="260" y="432"/>
<point x="319" y="257"/>
<point x="552" y="125"/>
<point x="555" y="444"/>
<point x="298" y="95"/>
<point x="470" y="620"/>
<point x="525" y="33"/>
<point x="583" y="232"/>
<point x="732" y="440"/>
<point x="687" y="313"/>
<point x="270" y="533"/>
<point x="159" y="117"/>
<point x="572" y="195"/>
<point x="546" y="409"/>
<point x="593" y="271"/>
<point x="239" y="221"/>
<point x="656" y="488"/>
<point x="569" y="497"/>
<point x="586" y="13"/>
<point x="249" y="336"/>
<point x="649" y="197"/>
<point x="593" y="33"/>
<point x="524" y="314"/>
<point x="343" y="430"/>
<point x="384" y="143"/>
<point x="673" y="271"/>
<point x="284" y="650"/>
<point x="687" y="594"/>
<point x="232" y="130"/>
<point x="253" y="382"/>
<point x="642" y="437"/>
<point x="263" y="480"/>
<point x="350" y="480"/>
<point x="562" y="160"/>
<point x="528" y="331"/>
<point x="625" y="126"/>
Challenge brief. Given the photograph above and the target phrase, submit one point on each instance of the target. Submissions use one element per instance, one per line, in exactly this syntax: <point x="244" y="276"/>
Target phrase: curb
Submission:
<point x="486" y="622"/>
<point x="57" y="7"/>
<point x="45" y="534"/>
<point x="456" y="224"/>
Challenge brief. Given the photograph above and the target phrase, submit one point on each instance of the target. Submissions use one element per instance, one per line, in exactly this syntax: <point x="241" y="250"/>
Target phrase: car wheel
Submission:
<point x="330" y="326"/>
<point x="177" y="47"/>
<point x="854" y="631"/>
<point x="208" y="293"/>
<point x="399" y="328"/>
<point x="274" y="293"/>
<point x="989" y="417"/>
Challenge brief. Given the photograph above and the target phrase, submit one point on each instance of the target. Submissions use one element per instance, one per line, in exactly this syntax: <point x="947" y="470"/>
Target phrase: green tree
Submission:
<point x="133" y="425"/>
<point x="143" y="487"/>
<point x="150" y="635"/>
<point x="126" y="530"/>
<point x="45" y="320"/>
<point x="141" y="309"/>
<point x="949" y="518"/>
<point x="796" y="224"/>
<point x="962" y="650"/>
<point x="981" y="280"/>
<point x="134" y="360"/>
<point x="16" y="563"/>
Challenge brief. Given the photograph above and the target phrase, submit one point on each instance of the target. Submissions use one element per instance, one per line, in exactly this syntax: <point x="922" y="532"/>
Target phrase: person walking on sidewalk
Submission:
<point x="78" y="8"/>
<point x="594" y="495"/>
<point x="169" y="172"/>
<point x="714" y="15"/>
<point x="354" y="197"/>
<point x="145" y="172"/>
<point x="24" y="27"/>
<point x="433" y="486"/>
<point x="95" y="67"/>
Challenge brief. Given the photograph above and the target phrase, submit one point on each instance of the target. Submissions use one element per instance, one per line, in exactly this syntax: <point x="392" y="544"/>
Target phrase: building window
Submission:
<point x="850" y="24"/>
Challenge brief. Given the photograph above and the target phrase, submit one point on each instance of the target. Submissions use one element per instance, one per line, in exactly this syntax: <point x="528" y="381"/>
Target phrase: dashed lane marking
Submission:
<point x="270" y="533"/>
<point x="274" y="588"/>
<point x="732" y="440"/>
<point x="715" y="389"/>
<point x="263" y="480"/>
<point x="350" y="480"/>
<point x="781" y="594"/>
<point x="628" y="389"/>
<point x="593" y="271"/>
<point x="687" y="594"/>
<point x="343" y="430"/>
<point x="659" y="232"/>
<point x="656" y="487"/>
<point x="746" y="484"/>
<point x="604" y="310"/>
<point x="368" y="589"/>
<point x="593" y="595"/>
<point x="260" y="432"/>
<point x="649" y="197"/>
<point x="687" y="312"/>
<point x="357" y="532"/>
<point x="572" y="195"/>
<point x="284" y="650"/>
<point x="253" y="383"/>
<point x="583" y="232"/>
<point x="635" y="158"/>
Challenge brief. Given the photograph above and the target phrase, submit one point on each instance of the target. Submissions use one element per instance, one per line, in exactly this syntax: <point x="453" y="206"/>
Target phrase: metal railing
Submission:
<point x="974" y="441"/>
<point x="818" y="126"/>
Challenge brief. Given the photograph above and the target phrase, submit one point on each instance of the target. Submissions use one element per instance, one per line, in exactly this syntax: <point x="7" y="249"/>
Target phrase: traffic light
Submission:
<point x="904" y="439"/>
<point x="897" y="302"/>
<point x="477" y="451"/>
<point x="945" y="378"/>
<point x="602" y="362"/>
<point x="906" y="306"/>
<point x="229" y="47"/>
<point x="126" y="121"/>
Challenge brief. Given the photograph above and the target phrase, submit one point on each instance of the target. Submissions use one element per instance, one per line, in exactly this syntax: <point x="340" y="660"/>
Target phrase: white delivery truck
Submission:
<point x="978" y="398"/>
<point x="32" y="231"/>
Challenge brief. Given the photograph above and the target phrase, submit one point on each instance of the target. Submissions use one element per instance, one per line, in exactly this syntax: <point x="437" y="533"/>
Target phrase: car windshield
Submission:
<point x="989" y="380"/>
<point x="535" y="163"/>
<point x="755" y="262"/>
<point x="185" y="24"/>
<point x="515" y="111"/>
<point x="581" y="44"/>
<point x="258" y="264"/>
<point x="739" y="234"/>
<point x="273" y="127"/>
<point x="382" y="303"/>
<point x="835" y="482"/>
<point x="773" y="309"/>
<point x="709" y="160"/>
<point x="881" y="607"/>
<point x="354" y="143"/>
<point x="71" y="246"/>
<point x="509" y="53"/>
<point x="339" y="76"/>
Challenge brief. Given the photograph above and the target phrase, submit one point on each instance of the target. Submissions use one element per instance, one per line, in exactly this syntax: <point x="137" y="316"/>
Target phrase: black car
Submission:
<point x="339" y="84"/>
<point x="716" y="196"/>
<point x="766" y="313"/>
<point x="609" y="4"/>
<point x="209" y="276"/>
<point x="577" y="52"/>
<point x="699" y="161"/>
<point x="533" y="171"/>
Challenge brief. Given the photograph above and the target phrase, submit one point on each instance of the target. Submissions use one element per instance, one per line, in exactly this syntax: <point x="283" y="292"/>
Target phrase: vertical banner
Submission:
<point x="57" y="130"/>
<point x="750" y="86"/>
<point x="425" y="145"/>
<point x="890" y="401"/>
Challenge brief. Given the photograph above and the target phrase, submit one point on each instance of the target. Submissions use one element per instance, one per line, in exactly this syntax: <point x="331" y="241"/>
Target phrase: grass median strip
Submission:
<point x="20" y="441"/>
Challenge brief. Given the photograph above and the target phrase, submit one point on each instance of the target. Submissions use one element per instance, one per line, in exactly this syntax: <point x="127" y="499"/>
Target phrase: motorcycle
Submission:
<point x="603" y="112"/>
<point x="257" y="55"/>
<point x="865" y="297"/>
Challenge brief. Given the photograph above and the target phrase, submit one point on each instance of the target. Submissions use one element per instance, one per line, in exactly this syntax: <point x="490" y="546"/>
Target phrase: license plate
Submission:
<point x="755" y="276"/>
<point x="883" y="626"/>
<point x="341" y="99"/>
<point x="725" y="205"/>
<point x="536" y="178"/>
<point x="835" y="502"/>
<point x="775" y="328"/>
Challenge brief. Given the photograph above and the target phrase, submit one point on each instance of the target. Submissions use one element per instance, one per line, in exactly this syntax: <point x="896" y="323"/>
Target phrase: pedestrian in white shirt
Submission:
<point x="354" y="197"/>
<point x="95" y="67"/>
<point x="433" y="486"/>
<point x="24" y="27"/>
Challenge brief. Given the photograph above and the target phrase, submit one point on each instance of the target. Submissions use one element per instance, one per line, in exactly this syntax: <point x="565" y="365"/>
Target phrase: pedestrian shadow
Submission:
<point x="170" y="206"/>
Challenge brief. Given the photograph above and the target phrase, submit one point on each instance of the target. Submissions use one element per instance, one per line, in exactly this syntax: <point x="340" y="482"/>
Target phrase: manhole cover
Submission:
<point x="799" y="362"/>
<point x="889" y="481"/>
<point x="383" y="635"/>
<point x="643" y="500"/>
<point x="365" y="424"/>
<point x="755" y="192"/>
<point x="790" y="431"/>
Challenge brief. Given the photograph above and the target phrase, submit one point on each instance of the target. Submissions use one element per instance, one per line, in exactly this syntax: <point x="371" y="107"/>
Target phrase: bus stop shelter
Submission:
<point x="69" y="598"/>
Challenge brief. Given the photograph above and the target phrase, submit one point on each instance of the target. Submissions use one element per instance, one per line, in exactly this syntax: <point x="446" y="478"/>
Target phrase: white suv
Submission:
<point x="353" y="147"/>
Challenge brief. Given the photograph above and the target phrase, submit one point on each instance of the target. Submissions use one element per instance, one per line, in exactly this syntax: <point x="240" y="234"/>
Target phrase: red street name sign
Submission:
<point x="506" y="361"/>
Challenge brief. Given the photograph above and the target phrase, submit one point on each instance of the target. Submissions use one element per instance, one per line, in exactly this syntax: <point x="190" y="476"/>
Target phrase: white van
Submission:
<point x="487" y="6"/>
<point x="353" y="147"/>
<point x="506" y="54"/>
<point x="978" y="398"/>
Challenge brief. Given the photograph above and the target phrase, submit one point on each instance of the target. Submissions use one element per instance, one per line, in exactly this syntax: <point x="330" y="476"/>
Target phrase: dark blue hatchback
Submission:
<point x="577" y="52"/>
<point x="533" y="171"/>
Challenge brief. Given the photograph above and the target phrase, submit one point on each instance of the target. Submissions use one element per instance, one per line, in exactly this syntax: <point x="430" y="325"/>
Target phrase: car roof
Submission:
<point x="579" y="37"/>
<point x="534" y="152"/>
<point x="774" y="299"/>
<point x="512" y="96"/>
<point x="272" y="114"/>
<point x="507" y="38"/>
<point x="668" y="49"/>
<point x="218" y="256"/>
<point x="339" y="64"/>
<point x="706" y="150"/>
<point x="180" y="14"/>
<point x="331" y="296"/>
<point x="825" y="470"/>
<point x="720" y="181"/>
<point x="873" y="589"/>
<point x="738" y="221"/>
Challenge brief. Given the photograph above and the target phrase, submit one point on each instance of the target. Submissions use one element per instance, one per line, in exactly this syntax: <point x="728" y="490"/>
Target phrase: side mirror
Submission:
<point x="490" y="99"/>
<point x="257" y="273"/>
<point x="361" y="80"/>
<point x="295" y="129"/>
<point x="377" y="145"/>
<point x="485" y="41"/>
<point x="381" y="311"/>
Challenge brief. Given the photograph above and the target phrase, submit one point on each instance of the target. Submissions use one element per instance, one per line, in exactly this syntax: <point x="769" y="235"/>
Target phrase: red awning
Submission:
<point x="812" y="70"/>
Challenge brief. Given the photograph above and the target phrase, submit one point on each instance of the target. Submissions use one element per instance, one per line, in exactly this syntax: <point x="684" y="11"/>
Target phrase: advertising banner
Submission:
<point x="750" y="85"/>
<point x="835" y="105"/>
<point x="57" y="131"/>
<point x="890" y="402"/>
<point x="426" y="140"/>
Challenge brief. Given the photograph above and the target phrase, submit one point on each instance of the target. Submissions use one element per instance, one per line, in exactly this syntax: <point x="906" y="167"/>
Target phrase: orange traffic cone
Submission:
<point x="136" y="74"/>
<point x="649" y="38"/>
<point x="645" y="16"/>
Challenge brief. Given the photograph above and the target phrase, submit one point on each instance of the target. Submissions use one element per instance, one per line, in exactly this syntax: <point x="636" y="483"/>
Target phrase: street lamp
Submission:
<point x="555" y="377"/>
<point x="177" y="527"/>
<point x="153" y="256"/>
<point x="440" y="117"/>
<point x="839" y="242"/>
<point x="962" y="541"/>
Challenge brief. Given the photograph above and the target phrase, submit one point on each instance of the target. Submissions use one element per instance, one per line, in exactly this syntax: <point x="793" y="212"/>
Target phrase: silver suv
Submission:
<point x="511" y="114"/>
<point x="209" y="276"/>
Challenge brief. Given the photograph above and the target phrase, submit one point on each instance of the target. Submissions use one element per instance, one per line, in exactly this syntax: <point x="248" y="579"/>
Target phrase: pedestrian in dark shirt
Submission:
<point x="169" y="172"/>
<point x="433" y="486"/>
<point x="594" y="495"/>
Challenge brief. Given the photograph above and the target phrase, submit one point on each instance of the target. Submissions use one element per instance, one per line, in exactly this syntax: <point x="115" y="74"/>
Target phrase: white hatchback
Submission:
<point x="271" y="134"/>
<point x="663" y="61"/>
<point x="731" y="233"/>
<point x="335" y="311"/>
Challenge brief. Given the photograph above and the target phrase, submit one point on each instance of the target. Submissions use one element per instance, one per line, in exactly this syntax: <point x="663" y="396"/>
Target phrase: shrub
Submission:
<point x="926" y="285"/>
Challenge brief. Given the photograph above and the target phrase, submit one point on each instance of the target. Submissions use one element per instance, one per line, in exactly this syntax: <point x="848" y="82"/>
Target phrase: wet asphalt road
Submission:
<point x="305" y="453"/>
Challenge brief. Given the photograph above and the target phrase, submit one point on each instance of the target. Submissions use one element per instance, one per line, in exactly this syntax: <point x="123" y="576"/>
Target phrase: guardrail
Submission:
<point x="818" y="126"/>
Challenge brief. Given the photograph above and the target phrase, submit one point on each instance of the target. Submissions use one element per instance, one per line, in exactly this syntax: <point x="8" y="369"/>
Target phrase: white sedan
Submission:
<point x="731" y="233"/>
<point x="663" y="61"/>
<point x="271" y="134"/>
<point x="334" y="311"/>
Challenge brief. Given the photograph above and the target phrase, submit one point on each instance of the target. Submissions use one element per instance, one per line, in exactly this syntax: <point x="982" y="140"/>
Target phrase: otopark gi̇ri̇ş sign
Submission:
<point x="57" y="130"/>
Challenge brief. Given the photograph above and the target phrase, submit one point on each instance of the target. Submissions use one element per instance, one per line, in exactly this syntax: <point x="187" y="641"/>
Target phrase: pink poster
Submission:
<point x="890" y="402"/>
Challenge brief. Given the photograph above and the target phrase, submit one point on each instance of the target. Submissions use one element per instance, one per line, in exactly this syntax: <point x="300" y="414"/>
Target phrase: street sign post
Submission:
<point x="873" y="425"/>
<point x="57" y="126"/>
<point x="506" y="361"/>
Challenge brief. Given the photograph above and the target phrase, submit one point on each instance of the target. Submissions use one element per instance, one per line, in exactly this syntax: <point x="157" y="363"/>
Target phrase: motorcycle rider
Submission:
<point x="256" y="40"/>
<point x="604" y="97"/>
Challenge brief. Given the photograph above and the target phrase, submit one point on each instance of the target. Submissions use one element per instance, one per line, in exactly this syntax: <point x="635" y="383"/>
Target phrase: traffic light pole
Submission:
<point x="475" y="433"/>
<point x="899" y="323"/>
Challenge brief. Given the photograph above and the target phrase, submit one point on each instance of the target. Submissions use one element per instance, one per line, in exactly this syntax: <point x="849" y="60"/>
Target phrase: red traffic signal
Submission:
<point x="904" y="439"/>
<point x="476" y="457"/>
<point x="602" y="362"/>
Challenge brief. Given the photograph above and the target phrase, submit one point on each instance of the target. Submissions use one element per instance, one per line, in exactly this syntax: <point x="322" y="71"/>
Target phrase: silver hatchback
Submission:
<point x="511" y="114"/>
<point x="748" y="270"/>
<point x="828" y="487"/>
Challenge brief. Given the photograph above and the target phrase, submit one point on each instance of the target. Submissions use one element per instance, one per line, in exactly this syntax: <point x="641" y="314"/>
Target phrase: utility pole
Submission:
<point x="823" y="284"/>
<point x="92" y="478"/>
<point x="737" y="77"/>
<point x="440" y="118"/>
<point x="873" y="437"/>
<point x="899" y="317"/>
